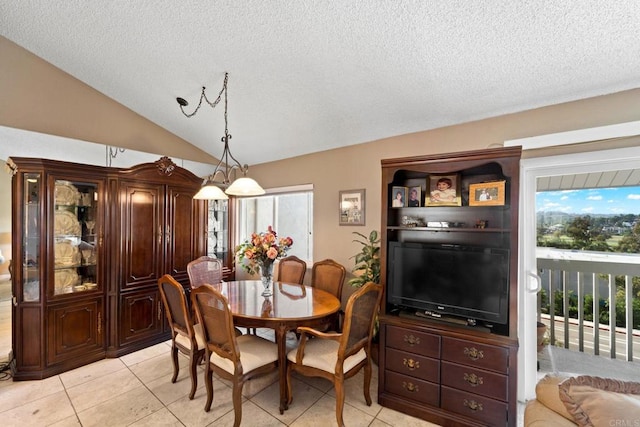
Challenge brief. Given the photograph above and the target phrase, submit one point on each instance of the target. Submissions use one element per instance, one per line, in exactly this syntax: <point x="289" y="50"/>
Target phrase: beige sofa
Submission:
<point x="584" y="401"/>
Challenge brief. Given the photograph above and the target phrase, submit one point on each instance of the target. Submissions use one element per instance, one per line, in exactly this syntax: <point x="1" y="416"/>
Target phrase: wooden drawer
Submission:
<point x="477" y="381"/>
<point x="470" y="353"/>
<point x="413" y="341"/>
<point x="476" y="407"/>
<point x="413" y="365"/>
<point x="412" y="388"/>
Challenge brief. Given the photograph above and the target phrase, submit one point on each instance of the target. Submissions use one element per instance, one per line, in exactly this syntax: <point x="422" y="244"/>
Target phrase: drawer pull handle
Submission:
<point x="473" y="405"/>
<point x="411" y="387"/>
<point x="473" y="353"/>
<point x="411" y="364"/>
<point x="473" y="379"/>
<point x="411" y="340"/>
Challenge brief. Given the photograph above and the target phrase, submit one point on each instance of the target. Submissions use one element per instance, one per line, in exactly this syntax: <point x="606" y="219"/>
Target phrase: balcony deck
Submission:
<point x="583" y="347"/>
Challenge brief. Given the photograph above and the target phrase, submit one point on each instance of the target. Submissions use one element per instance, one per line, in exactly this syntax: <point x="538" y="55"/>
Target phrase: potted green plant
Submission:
<point x="367" y="269"/>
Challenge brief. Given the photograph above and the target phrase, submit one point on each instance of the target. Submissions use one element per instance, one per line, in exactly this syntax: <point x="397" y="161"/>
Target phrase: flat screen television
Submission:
<point x="468" y="282"/>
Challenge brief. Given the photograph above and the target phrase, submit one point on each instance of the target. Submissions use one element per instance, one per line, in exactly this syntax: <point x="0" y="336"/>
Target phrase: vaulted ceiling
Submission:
<point x="311" y="75"/>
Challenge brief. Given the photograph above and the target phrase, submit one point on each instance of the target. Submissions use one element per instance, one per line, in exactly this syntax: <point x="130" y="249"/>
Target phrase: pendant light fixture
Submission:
<point x="218" y="185"/>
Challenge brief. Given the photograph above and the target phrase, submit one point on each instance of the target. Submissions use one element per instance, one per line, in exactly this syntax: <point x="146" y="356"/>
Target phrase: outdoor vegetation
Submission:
<point x="598" y="233"/>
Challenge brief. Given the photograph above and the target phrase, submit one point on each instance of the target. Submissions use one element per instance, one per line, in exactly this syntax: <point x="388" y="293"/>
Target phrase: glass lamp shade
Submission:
<point x="210" y="192"/>
<point x="245" y="187"/>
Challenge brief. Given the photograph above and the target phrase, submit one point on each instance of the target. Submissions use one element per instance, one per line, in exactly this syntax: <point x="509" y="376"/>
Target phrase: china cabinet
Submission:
<point x="448" y="353"/>
<point x="58" y="278"/>
<point x="89" y="244"/>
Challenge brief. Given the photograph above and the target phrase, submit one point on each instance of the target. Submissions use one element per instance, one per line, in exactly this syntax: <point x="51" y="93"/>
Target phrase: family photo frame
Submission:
<point x="487" y="193"/>
<point x="399" y="197"/>
<point x="414" y="199"/>
<point x="443" y="190"/>
<point x="351" y="206"/>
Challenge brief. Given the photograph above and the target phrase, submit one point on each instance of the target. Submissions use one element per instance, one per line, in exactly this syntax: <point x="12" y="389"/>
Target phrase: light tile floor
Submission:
<point x="136" y="390"/>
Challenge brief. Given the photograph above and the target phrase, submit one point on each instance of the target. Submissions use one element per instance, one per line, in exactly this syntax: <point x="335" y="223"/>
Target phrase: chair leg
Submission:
<point x="193" y="366"/>
<point x="208" y="382"/>
<point x="367" y="382"/>
<point x="174" y="359"/>
<point x="338" y="384"/>
<point x="237" y="402"/>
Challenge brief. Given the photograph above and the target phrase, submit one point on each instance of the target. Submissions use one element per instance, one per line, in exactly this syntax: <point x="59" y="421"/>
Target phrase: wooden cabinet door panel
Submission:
<point x="143" y="233"/>
<point x="75" y="330"/>
<point x="181" y="231"/>
<point x="141" y="316"/>
<point x="28" y="352"/>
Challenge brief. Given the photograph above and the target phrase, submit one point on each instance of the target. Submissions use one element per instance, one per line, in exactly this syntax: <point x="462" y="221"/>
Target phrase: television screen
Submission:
<point x="466" y="281"/>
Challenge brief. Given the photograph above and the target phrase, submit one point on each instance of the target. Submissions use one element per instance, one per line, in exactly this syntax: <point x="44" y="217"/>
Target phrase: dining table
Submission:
<point x="290" y="306"/>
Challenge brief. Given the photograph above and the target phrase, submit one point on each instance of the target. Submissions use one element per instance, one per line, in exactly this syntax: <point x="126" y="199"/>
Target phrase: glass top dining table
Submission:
<point x="290" y="306"/>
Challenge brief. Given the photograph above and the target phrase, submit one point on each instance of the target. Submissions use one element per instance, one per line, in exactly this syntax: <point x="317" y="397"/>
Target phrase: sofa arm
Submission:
<point x="538" y="415"/>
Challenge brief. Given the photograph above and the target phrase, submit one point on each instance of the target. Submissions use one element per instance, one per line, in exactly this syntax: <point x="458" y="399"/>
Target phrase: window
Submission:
<point x="289" y="210"/>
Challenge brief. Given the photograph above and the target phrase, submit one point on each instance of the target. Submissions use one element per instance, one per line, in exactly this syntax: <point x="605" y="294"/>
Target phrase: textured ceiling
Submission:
<point x="311" y="75"/>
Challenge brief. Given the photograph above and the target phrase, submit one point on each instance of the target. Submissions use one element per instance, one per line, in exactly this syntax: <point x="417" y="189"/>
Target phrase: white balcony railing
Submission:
<point x="583" y="273"/>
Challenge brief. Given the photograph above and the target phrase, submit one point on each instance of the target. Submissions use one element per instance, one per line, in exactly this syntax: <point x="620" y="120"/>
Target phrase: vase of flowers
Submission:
<point x="260" y="252"/>
<point x="266" y="275"/>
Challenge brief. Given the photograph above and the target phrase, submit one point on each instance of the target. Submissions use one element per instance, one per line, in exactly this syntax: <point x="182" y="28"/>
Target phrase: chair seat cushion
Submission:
<point x="254" y="353"/>
<point x="323" y="354"/>
<point x="184" y="340"/>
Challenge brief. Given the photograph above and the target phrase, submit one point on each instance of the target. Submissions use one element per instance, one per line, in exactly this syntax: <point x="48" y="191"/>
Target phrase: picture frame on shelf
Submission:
<point x="443" y="190"/>
<point x="415" y="197"/>
<point x="487" y="193"/>
<point x="351" y="207"/>
<point x="399" y="196"/>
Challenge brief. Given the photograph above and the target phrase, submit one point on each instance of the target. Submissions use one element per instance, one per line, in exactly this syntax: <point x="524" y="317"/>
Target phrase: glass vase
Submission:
<point x="266" y="275"/>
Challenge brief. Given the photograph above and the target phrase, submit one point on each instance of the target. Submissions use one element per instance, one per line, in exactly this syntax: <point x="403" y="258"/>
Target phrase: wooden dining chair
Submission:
<point x="186" y="336"/>
<point x="234" y="358"/>
<point x="204" y="270"/>
<point x="329" y="275"/>
<point x="339" y="356"/>
<point x="291" y="269"/>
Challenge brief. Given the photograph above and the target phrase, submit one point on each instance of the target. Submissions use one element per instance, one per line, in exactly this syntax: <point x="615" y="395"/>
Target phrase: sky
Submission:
<point x="619" y="200"/>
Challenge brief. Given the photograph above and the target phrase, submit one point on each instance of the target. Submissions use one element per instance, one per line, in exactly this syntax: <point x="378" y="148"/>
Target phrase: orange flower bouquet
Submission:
<point x="260" y="252"/>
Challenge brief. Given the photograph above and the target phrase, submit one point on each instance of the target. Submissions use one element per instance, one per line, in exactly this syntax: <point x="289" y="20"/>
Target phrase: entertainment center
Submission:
<point x="448" y="322"/>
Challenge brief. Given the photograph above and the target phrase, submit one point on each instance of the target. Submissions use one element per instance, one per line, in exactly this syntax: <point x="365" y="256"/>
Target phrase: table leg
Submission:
<point x="281" y="341"/>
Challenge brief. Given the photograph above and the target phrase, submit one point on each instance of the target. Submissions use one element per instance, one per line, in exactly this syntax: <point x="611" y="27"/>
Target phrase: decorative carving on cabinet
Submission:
<point x="165" y="166"/>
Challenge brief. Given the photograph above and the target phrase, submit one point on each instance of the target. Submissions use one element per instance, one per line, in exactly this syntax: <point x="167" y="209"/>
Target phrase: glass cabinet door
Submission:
<point x="218" y="229"/>
<point x="31" y="243"/>
<point x="75" y="244"/>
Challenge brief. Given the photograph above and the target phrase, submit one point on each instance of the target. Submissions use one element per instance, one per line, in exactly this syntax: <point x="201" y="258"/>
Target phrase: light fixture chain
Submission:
<point x="213" y="104"/>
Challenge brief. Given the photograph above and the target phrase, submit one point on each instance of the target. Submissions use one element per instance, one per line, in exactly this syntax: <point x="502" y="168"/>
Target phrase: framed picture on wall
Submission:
<point x="443" y="190"/>
<point x="351" y="207"/>
<point x="487" y="193"/>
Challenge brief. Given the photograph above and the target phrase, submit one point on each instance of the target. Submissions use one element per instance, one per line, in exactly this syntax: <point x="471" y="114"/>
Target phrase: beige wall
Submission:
<point x="346" y="168"/>
<point x="39" y="97"/>
<point x="359" y="166"/>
